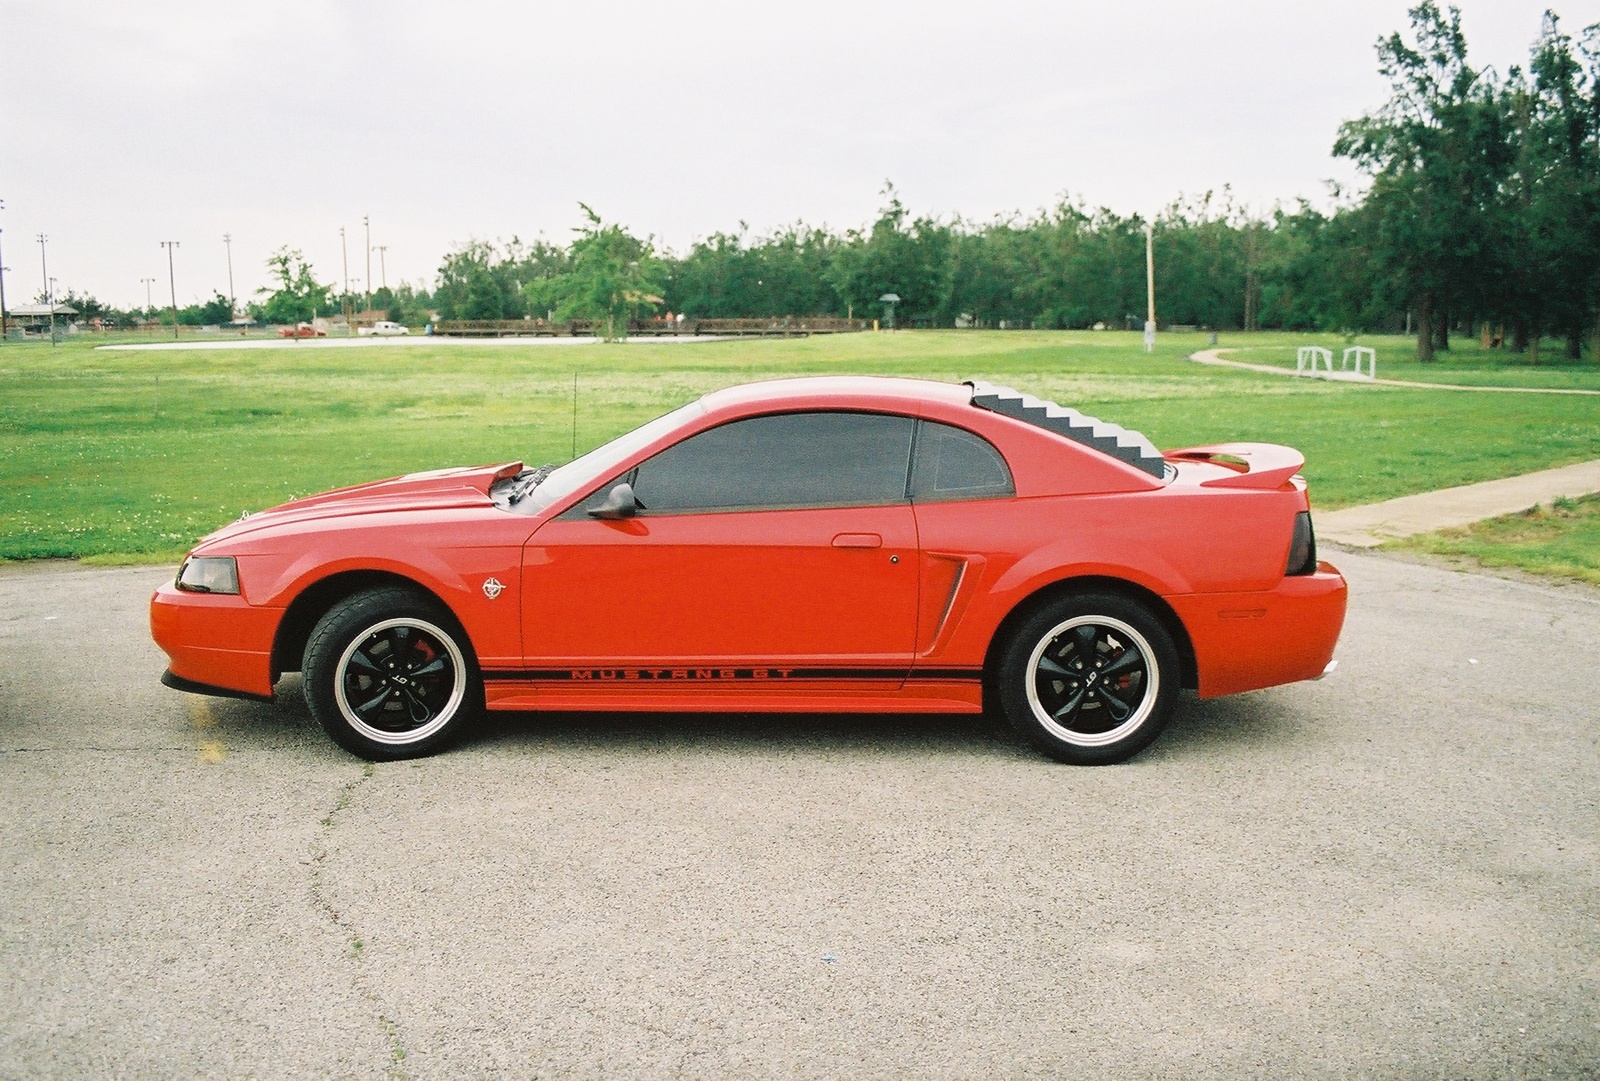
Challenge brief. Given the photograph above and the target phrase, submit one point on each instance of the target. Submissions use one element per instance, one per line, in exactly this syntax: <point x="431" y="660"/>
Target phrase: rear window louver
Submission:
<point x="1121" y="443"/>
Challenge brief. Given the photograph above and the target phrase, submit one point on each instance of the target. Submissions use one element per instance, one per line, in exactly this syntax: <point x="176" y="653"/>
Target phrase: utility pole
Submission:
<point x="383" y="270"/>
<point x="3" y="330"/>
<point x="172" y="281"/>
<point x="367" y="225"/>
<point x="344" y="301"/>
<point x="227" y="242"/>
<point x="1251" y="236"/>
<point x="44" y="272"/>
<point x="1150" y="288"/>
<point x="148" y="303"/>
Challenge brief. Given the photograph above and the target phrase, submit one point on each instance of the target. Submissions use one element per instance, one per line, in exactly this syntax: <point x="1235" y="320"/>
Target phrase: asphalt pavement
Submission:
<point x="1390" y="873"/>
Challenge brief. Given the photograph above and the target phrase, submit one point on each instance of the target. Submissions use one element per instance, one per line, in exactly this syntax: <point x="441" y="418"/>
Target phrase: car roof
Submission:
<point x="846" y="390"/>
<point x="950" y="401"/>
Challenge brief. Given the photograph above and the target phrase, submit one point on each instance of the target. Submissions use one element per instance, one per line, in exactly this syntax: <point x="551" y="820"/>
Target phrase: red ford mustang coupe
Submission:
<point x="826" y="544"/>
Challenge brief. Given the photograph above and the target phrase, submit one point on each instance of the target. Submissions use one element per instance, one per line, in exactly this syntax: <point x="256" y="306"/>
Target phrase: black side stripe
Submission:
<point x="703" y="674"/>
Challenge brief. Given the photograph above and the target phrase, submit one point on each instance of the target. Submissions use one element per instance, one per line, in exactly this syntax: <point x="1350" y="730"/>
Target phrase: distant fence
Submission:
<point x="788" y="327"/>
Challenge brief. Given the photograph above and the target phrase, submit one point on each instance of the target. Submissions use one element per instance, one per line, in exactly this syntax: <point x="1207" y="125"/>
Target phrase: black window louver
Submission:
<point x="1121" y="443"/>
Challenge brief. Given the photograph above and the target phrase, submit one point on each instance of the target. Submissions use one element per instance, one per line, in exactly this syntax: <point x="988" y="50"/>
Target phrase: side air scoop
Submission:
<point x="1254" y="465"/>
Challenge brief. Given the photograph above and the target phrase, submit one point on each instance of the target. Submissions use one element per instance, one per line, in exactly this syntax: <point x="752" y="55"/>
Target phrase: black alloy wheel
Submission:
<point x="389" y="674"/>
<point x="1089" y="679"/>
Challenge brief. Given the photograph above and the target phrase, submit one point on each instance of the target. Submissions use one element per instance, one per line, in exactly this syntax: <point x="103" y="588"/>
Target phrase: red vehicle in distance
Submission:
<point x="825" y="544"/>
<point x="301" y="330"/>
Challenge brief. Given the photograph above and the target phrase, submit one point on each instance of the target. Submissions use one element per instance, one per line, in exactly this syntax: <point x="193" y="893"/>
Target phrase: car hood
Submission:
<point x="437" y="489"/>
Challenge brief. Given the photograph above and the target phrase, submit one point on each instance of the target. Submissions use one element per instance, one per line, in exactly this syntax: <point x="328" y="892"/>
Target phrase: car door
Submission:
<point x="777" y="547"/>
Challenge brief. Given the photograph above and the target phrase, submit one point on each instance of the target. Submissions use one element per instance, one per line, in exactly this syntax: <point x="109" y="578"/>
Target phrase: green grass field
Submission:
<point x="1563" y="540"/>
<point x="130" y="454"/>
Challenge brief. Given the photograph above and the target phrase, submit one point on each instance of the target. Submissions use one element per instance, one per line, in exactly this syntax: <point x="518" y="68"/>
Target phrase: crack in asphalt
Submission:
<point x="355" y="951"/>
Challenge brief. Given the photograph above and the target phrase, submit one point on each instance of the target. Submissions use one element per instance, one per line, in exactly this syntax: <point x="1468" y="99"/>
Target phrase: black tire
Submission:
<point x="390" y="674"/>
<point x="1088" y="678"/>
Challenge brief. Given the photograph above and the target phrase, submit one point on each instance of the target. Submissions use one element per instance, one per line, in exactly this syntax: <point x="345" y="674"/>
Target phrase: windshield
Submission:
<point x="590" y="467"/>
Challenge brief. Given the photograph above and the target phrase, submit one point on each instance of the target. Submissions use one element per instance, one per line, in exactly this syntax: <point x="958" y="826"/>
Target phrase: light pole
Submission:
<point x="44" y="273"/>
<point x="227" y="242"/>
<point x="172" y="281"/>
<point x="367" y="225"/>
<point x="1150" y="288"/>
<point x="889" y="300"/>
<point x="344" y="301"/>
<point x="383" y="271"/>
<point x="148" y="303"/>
<point x="3" y="329"/>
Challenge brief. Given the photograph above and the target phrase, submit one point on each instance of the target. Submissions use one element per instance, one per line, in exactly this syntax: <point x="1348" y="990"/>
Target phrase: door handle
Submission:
<point x="858" y="540"/>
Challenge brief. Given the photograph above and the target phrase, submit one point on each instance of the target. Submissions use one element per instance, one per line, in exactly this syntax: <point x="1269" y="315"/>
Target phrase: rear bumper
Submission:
<point x="178" y="683"/>
<point x="215" y="641"/>
<point x="1246" y="641"/>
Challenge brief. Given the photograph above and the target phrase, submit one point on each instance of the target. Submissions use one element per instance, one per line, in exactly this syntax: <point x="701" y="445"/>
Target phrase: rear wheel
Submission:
<point x="1089" y="679"/>
<point x="389" y="674"/>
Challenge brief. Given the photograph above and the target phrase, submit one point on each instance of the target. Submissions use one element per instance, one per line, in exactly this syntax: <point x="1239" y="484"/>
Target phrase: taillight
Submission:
<point x="1303" y="548"/>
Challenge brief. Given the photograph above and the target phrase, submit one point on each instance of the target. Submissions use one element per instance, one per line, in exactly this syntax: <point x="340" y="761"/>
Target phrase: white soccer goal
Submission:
<point x="1307" y="357"/>
<point x="1359" y="353"/>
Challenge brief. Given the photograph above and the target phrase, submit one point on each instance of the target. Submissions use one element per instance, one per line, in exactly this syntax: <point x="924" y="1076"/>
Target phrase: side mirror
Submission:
<point x="620" y="503"/>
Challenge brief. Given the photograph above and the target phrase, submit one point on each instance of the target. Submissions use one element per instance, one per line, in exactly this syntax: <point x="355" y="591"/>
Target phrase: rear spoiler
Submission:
<point x="1255" y="465"/>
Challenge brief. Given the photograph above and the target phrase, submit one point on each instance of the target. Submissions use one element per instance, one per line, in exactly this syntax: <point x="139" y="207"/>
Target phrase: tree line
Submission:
<point x="1481" y="214"/>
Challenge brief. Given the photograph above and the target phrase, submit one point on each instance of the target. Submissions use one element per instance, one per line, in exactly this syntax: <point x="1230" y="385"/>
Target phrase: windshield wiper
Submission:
<point x="527" y="481"/>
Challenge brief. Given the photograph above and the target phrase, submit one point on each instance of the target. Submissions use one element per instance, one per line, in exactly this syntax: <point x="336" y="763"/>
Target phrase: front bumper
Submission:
<point x="1246" y="641"/>
<point x="216" y="640"/>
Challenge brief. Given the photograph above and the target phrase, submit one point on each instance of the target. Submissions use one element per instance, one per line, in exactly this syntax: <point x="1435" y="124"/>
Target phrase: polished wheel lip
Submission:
<point x="1141" y="713"/>
<point x="445" y="714"/>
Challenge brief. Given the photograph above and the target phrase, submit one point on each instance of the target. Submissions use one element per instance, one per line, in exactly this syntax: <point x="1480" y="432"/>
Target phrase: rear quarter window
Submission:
<point x="951" y="463"/>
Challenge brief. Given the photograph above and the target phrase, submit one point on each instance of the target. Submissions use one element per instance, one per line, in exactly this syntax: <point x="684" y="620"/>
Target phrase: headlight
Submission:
<point x="209" y="574"/>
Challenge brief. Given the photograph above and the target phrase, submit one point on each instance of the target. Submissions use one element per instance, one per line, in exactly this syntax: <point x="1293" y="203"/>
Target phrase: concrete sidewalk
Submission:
<point x="1370" y="526"/>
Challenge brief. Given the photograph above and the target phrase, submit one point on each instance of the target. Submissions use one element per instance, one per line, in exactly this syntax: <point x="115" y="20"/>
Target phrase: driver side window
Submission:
<point x="780" y="461"/>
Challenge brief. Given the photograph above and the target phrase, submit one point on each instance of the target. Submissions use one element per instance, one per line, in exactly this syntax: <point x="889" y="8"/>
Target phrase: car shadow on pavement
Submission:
<point x="823" y="734"/>
<point x="1199" y="728"/>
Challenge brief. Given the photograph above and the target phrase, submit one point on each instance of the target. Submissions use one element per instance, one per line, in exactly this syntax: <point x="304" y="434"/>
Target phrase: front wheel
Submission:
<point x="1089" y="679"/>
<point x="390" y="674"/>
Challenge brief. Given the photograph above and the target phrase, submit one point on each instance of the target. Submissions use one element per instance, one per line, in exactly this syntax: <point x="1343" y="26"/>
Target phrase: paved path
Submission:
<point x="1371" y="525"/>
<point x="1394" y="872"/>
<point x="1214" y="357"/>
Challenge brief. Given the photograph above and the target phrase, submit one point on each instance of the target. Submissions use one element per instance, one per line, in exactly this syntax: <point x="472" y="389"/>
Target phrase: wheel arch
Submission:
<point x="317" y="599"/>
<point x="1098" y="583"/>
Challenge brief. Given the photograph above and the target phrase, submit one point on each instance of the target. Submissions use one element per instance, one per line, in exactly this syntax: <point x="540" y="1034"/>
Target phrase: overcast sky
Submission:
<point x="123" y="124"/>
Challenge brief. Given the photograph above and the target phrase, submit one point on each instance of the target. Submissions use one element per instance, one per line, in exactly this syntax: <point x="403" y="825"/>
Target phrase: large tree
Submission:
<point x="1555" y="274"/>
<point x="610" y="278"/>
<point x="1438" y="153"/>
<point x="298" y="297"/>
<point x="907" y="257"/>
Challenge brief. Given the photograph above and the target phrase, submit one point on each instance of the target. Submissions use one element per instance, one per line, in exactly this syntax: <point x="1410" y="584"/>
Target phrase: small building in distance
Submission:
<point x="35" y="318"/>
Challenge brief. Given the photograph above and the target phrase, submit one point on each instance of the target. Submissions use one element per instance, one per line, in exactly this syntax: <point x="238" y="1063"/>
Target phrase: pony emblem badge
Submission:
<point x="492" y="588"/>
